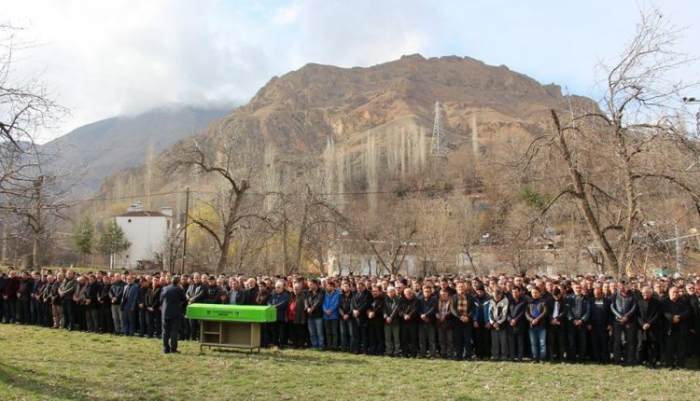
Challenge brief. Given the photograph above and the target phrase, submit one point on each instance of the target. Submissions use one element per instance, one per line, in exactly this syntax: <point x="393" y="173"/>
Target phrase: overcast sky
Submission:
<point x="102" y="58"/>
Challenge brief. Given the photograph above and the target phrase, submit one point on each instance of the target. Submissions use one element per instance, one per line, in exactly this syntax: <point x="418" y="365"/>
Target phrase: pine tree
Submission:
<point x="113" y="241"/>
<point x="82" y="237"/>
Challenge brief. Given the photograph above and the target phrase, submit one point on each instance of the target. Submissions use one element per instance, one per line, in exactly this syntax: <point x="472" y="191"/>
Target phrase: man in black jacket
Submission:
<point x="105" y="308"/>
<point x="676" y="314"/>
<point x="410" y="313"/>
<point x="347" y="332"/>
<point x="172" y="298"/>
<point x="517" y="324"/>
<point x="426" y="329"/>
<point x="600" y="324"/>
<point x="66" y="292"/>
<point x="375" y="316"/>
<point x="313" y="303"/>
<point x="155" y="318"/>
<point x="46" y="301"/>
<point x="694" y="329"/>
<point x="360" y="304"/>
<point x="648" y="322"/>
<point x="213" y="291"/>
<point x="578" y="315"/>
<point x="144" y="285"/>
<point x="558" y="324"/>
<point x="92" y="307"/>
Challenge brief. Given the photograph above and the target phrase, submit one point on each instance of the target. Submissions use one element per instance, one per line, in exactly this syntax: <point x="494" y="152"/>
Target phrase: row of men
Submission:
<point x="459" y="318"/>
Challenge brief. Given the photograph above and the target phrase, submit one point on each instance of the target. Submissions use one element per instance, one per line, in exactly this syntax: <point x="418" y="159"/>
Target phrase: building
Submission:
<point x="147" y="231"/>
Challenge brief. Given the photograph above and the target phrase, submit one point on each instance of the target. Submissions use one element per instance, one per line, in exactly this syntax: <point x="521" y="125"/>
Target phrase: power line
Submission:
<point x="349" y="193"/>
<point x="127" y="197"/>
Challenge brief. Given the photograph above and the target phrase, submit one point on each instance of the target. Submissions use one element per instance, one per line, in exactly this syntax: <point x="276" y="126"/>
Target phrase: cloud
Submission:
<point x="286" y="15"/>
<point x="107" y="58"/>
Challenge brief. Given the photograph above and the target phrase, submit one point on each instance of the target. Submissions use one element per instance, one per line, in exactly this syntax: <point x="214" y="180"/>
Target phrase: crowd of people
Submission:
<point x="556" y="319"/>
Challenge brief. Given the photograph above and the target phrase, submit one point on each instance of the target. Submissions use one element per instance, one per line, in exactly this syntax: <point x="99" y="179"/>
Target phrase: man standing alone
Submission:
<point x="172" y="298"/>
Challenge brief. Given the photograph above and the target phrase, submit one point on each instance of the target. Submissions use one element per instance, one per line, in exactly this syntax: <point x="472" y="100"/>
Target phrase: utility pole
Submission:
<point x="688" y="100"/>
<point x="184" y="240"/>
<point x="679" y="250"/>
<point x="438" y="146"/>
<point x="38" y="225"/>
<point x="3" y="260"/>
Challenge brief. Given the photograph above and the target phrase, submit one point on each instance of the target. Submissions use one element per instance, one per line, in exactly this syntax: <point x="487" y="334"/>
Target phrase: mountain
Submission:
<point x="300" y="110"/>
<point x="392" y="103"/>
<point x="116" y="143"/>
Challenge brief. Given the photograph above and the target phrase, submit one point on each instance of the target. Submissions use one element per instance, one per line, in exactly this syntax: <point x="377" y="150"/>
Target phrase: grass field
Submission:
<point x="38" y="364"/>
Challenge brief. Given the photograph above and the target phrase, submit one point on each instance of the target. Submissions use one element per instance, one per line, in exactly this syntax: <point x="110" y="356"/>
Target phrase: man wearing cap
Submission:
<point x="212" y="291"/>
<point x="558" y="325"/>
<point x="480" y="319"/>
<point x="172" y="298"/>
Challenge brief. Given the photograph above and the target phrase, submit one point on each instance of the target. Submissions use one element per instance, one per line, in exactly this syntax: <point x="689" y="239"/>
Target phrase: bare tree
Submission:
<point x="390" y="237"/>
<point x="470" y="224"/>
<point x="25" y="110"/>
<point x="230" y="166"/>
<point x="614" y="156"/>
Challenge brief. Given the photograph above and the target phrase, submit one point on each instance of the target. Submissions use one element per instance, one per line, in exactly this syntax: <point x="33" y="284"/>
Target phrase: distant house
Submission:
<point x="147" y="232"/>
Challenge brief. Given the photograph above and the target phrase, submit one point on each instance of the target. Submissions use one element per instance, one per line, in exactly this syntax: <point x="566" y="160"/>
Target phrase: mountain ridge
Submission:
<point x="298" y="112"/>
<point x="109" y="145"/>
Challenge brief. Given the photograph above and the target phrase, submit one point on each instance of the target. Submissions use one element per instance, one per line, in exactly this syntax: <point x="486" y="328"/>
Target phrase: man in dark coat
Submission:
<point x="648" y="321"/>
<point x="517" y="324"/>
<point x="578" y="314"/>
<point x="676" y="314"/>
<point x="410" y="312"/>
<point x="9" y="297"/>
<point x="360" y="304"/>
<point x="600" y="324"/>
<point x="559" y="324"/>
<point x="172" y="298"/>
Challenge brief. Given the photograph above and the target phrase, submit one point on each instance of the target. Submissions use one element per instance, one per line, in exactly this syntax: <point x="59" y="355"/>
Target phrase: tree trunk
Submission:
<point x="285" y="247"/>
<point x="228" y="233"/>
<point x="302" y="234"/>
<point x="581" y="199"/>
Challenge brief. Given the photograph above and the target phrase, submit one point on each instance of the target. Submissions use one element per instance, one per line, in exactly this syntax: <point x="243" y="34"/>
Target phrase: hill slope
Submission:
<point x="109" y="145"/>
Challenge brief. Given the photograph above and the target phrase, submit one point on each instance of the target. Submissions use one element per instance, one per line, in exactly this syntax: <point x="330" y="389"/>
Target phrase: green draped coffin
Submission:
<point x="232" y="313"/>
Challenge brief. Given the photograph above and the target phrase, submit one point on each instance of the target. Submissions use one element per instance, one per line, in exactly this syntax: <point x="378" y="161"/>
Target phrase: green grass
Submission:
<point x="41" y="364"/>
